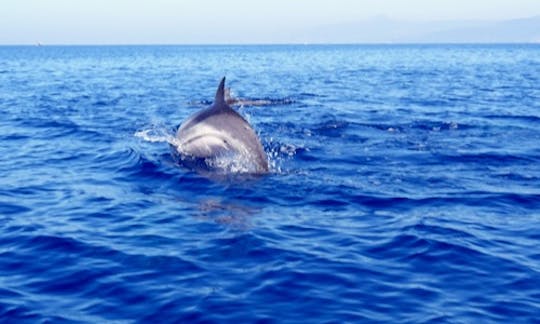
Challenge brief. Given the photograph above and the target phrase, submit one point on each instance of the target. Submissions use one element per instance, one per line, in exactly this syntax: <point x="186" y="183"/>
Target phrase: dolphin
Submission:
<point x="241" y="102"/>
<point x="235" y="101"/>
<point x="219" y="135"/>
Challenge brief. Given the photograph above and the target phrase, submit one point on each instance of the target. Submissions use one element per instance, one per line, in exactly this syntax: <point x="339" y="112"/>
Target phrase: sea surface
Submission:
<point x="404" y="185"/>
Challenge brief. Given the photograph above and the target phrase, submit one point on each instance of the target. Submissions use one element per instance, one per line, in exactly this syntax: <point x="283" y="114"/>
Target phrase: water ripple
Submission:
<point x="403" y="186"/>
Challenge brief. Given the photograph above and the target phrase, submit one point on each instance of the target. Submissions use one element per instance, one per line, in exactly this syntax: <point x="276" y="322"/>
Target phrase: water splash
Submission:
<point x="158" y="134"/>
<point x="279" y="154"/>
<point x="233" y="163"/>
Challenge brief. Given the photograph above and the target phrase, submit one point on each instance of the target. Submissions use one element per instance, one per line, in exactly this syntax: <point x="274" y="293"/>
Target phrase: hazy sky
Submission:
<point x="214" y="21"/>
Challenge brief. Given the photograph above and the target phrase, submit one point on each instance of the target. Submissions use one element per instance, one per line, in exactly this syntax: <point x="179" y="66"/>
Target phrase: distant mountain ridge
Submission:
<point x="384" y="30"/>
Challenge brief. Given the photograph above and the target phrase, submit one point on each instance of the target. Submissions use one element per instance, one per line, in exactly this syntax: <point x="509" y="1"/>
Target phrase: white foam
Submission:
<point x="157" y="134"/>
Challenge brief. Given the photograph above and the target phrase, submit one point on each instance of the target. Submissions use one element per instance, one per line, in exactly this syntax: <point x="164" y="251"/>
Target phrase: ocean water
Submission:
<point x="404" y="185"/>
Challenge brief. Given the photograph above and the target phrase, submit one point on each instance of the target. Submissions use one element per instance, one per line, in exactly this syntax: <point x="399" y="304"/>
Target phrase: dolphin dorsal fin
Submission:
<point x="219" y="101"/>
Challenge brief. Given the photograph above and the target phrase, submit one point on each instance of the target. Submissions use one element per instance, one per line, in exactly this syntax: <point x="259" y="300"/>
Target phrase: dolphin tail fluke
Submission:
<point x="220" y="94"/>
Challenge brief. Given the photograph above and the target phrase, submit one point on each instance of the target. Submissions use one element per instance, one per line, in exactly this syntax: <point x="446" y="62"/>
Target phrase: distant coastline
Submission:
<point x="378" y="30"/>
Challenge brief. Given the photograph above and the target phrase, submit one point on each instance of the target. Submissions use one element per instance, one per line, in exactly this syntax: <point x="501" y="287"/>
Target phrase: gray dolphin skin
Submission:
<point x="233" y="101"/>
<point x="219" y="131"/>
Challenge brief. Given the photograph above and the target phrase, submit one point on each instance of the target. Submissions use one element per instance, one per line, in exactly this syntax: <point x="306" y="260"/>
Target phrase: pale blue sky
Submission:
<point x="214" y="21"/>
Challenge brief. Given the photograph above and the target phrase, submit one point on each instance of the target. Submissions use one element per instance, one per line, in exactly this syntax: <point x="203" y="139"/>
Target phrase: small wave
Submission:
<point x="331" y="128"/>
<point x="487" y="158"/>
<point x="116" y="158"/>
<point x="524" y="118"/>
<point x="8" y="208"/>
<point x="424" y="125"/>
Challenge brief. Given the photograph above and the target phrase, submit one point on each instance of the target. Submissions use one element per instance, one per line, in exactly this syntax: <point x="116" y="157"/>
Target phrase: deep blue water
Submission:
<point x="405" y="186"/>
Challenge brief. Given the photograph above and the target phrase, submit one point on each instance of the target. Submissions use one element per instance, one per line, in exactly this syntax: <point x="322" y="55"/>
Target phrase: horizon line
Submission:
<point x="39" y="44"/>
